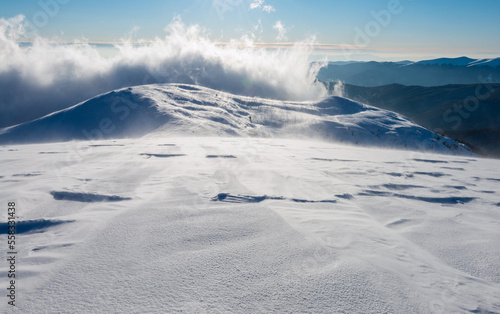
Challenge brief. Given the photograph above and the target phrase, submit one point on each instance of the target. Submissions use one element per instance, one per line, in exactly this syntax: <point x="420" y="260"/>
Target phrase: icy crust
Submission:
<point x="188" y="110"/>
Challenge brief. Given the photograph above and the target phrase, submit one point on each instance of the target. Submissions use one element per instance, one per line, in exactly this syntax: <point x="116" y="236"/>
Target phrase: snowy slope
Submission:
<point x="242" y="225"/>
<point x="179" y="109"/>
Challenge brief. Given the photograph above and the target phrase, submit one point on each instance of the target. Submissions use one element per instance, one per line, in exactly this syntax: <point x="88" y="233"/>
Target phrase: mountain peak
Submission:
<point x="186" y="110"/>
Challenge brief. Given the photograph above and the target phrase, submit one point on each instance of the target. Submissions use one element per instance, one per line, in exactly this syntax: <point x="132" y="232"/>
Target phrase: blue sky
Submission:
<point x="419" y="27"/>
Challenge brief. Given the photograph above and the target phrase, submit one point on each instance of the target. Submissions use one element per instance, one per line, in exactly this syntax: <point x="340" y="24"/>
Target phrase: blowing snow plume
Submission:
<point x="45" y="77"/>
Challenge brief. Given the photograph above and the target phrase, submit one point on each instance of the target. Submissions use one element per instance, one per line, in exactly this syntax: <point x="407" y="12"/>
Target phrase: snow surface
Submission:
<point x="180" y="109"/>
<point x="233" y="224"/>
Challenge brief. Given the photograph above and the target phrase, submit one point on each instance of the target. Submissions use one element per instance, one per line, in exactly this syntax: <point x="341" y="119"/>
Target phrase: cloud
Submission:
<point x="281" y="30"/>
<point x="268" y="8"/>
<point x="259" y="4"/>
<point x="133" y="32"/>
<point x="45" y="77"/>
<point x="256" y="4"/>
<point x="258" y="27"/>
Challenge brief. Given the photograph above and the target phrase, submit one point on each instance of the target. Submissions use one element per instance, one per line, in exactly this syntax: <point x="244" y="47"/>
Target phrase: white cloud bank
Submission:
<point x="44" y="77"/>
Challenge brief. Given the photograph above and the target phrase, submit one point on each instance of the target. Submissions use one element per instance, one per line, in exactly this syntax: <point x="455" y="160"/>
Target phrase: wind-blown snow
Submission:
<point x="162" y="225"/>
<point x="188" y="110"/>
<point x="44" y="77"/>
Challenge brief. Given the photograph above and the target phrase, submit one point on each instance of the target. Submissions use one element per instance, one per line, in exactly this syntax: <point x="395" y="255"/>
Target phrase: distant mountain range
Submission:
<point x="462" y="61"/>
<point x="426" y="73"/>
<point x="466" y="113"/>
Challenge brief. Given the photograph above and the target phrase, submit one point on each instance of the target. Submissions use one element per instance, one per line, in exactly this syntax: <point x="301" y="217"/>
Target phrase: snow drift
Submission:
<point x="181" y="109"/>
<point x="44" y="77"/>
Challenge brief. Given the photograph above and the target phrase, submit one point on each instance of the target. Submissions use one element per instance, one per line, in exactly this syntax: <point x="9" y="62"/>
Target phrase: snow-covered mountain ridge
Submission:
<point x="188" y="110"/>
